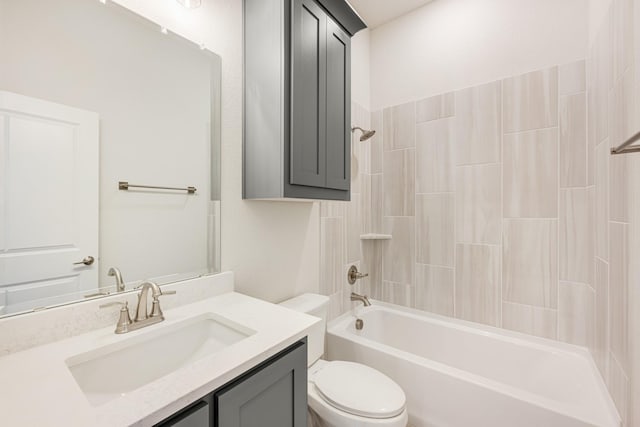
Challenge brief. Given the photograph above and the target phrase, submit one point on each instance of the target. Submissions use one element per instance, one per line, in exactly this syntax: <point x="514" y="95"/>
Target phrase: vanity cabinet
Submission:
<point x="272" y="394"/>
<point x="297" y="96"/>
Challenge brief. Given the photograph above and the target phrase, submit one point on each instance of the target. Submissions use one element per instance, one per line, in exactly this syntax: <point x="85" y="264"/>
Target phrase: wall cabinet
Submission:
<point x="297" y="124"/>
<point x="272" y="394"/>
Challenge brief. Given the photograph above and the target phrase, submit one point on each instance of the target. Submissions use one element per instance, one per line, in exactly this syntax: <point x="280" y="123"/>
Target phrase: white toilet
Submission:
<point x="346" y="394"/>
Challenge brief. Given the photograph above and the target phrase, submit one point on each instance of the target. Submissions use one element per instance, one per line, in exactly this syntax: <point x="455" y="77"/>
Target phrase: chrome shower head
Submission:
<point x="366" y="134"/>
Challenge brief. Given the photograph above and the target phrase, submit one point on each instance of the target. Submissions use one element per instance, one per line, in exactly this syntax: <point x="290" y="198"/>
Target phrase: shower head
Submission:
<point x="366" y="134"/>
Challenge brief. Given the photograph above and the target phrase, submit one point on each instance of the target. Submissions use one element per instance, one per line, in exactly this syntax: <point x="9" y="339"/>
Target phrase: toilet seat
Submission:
<point x="359" y="390"/>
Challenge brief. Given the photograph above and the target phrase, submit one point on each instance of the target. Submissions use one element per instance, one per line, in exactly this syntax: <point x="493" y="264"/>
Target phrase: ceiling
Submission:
<point x="378" y="12"/>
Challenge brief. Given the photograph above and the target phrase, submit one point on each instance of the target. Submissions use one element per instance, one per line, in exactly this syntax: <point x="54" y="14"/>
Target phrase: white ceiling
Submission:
<point x="378" y="12"/>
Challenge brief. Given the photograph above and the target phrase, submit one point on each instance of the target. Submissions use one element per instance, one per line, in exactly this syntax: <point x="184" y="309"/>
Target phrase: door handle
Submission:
<point x="88" y="260"/>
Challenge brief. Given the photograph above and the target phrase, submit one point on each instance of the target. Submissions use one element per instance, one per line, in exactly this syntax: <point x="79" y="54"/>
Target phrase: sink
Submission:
<point x="114" y="370"/>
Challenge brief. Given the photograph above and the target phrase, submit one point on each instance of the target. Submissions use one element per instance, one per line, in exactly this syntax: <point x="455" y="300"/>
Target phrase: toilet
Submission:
<point x="345" y="394"/>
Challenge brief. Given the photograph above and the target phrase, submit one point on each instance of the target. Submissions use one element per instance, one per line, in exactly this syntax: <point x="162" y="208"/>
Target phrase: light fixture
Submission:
<point x="190" y="4"/>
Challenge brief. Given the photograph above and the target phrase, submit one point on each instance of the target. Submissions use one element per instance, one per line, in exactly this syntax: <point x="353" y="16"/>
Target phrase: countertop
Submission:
<point x="39" y="390"/>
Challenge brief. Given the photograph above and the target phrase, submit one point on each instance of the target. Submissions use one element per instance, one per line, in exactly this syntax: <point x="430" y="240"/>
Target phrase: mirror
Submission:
<point x="92" y="94"/>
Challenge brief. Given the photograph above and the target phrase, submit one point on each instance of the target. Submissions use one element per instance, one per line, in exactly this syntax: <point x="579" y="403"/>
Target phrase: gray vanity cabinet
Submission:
<point x="272" y="394"/>
<point x="297" y="118"/>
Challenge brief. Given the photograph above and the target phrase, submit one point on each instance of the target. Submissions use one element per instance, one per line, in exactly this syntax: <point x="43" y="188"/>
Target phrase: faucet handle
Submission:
<point x="124" y="320"/>
<point x="156" y="311"/>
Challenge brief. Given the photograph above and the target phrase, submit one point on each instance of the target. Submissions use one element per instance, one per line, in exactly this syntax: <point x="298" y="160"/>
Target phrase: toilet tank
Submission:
<point x="314" y="305"/>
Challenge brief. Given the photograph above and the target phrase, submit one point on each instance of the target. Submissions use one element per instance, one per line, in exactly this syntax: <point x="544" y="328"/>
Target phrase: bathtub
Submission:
<point x="462" y="374"/>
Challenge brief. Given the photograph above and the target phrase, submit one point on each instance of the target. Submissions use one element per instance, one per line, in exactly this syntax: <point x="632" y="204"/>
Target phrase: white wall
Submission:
<point x="453" y="44"/>
<point x="360" y="75"/>
<point x="273" y="248"/>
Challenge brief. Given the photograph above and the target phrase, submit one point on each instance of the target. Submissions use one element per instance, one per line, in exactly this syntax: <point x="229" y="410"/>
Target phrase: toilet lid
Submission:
<point x="360" y="390"/>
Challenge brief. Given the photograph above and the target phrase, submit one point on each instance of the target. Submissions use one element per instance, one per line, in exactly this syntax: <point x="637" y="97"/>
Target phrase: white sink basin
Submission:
<point x="114" y="370"/>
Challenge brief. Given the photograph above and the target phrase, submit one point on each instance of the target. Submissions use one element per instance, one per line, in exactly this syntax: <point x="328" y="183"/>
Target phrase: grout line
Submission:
<point x="517" y="132"/>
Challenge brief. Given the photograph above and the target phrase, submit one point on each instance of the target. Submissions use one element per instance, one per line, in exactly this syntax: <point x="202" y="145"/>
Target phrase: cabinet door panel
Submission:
<point x="308" y="112"/>
<point x="273" y="396"/>
<point x="196" y="416"/>
<point x="338" y="110"/>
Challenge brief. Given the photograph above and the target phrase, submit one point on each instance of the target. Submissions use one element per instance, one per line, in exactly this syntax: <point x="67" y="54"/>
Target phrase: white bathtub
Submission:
<point x="462" y="374"/>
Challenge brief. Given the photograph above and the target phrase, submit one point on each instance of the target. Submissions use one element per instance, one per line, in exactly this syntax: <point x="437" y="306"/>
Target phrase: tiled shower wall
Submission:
<point x="506" y="208"/>
<point x="612" y="84"/>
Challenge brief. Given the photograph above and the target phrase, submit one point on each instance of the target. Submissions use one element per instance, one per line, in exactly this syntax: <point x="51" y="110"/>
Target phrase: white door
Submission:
<point x="48" y="201"/>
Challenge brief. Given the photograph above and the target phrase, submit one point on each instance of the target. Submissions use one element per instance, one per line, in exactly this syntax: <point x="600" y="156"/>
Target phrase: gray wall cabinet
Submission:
<point x="272" y="394"/>
<point x="297" y="96"/>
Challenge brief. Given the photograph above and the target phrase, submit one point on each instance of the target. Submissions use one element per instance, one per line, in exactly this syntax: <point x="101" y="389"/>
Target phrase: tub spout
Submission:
<point x="361" y="298"/>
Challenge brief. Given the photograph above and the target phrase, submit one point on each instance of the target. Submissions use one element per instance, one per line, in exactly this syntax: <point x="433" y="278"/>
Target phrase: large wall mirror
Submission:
<point x="92" y="95"/>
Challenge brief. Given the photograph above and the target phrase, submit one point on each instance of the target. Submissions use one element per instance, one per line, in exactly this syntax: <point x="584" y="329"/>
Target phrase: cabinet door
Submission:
<point x="274" y="395"/>
<point x="197" y="415"/>
<point x="338" y="108"/>
<point x="308" y="103"/>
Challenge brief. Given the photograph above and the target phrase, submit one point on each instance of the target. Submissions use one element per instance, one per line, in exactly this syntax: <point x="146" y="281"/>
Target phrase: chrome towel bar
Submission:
<point x="624" y="147"/>
<point x="124" y="185"/>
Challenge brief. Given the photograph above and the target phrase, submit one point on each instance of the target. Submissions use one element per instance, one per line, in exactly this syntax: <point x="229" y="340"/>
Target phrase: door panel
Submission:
<point x="338" y="110"/>
<point x="308" y="111"/>
<point x="273" y="396"/>
<point x="49" y="197"/>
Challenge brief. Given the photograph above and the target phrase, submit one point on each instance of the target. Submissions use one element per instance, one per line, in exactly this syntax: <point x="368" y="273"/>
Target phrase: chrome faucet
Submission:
<point x="143" y="318"/>
<point x="115" y="272"/>
<point x="362" y="298"/>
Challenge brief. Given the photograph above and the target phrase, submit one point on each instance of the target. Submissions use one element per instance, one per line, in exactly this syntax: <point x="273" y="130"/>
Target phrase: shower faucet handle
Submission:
<point x="353" y="274"/>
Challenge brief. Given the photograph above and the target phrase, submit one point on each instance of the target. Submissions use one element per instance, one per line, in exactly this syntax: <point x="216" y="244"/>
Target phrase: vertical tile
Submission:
<point x="575" y="236"/>
<point x="377" y="203"/>
<point x="435" y="107"/>
<point x="572" y="78"/>
<point x="399" y="126"/>
<point x="376" y="142"/>
<point x="622" y="109"/>
<point x="618" y="293"/>
<point x="478" y="124"/>
<point x="602" y="157"/>
<point x="531" y="100"/>
<point x="478" y="213"/>
<point x="434" y="229"/>
<point x="601" y="352"/>
<point x="591" y="119"/>
<point x="434" y="289"/>
<point x="477" y="283"/>
<point x="576" y="312"/>
<point x="530" y="271"/>
<point x="434" y="156"/>
<point x="399" y="252"/>
<point x="622" y="33"/>
<point x="573" y="140"/>
<point x="399" y="182"/>
<point x="356" y="161"/>
<point x="619" y="387"/>
<point x="397" y="293"/>
<point x="530" y="180"/>
<point x="332" y="209"/>
<point x="354" y="228"/>
<point x="335" y="308"/>
<point x="365" y="205"/>
<point x="372" y="263"/>
<point x="618" y="188"/>
<point x="541" y="322"/>
<point x="603" y="81"/>
<point x="331" y="255"/>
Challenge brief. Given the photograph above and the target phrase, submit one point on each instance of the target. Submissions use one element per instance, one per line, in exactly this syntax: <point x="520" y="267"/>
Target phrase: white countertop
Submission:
<point x="39" y="390"/>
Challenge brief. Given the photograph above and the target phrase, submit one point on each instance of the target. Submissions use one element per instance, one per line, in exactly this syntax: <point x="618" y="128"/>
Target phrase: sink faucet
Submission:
<point x="141" y="310"/>
<point x="362" y="298"/>
<point x="143" y="318"/>
<point x="113" y="271"/>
